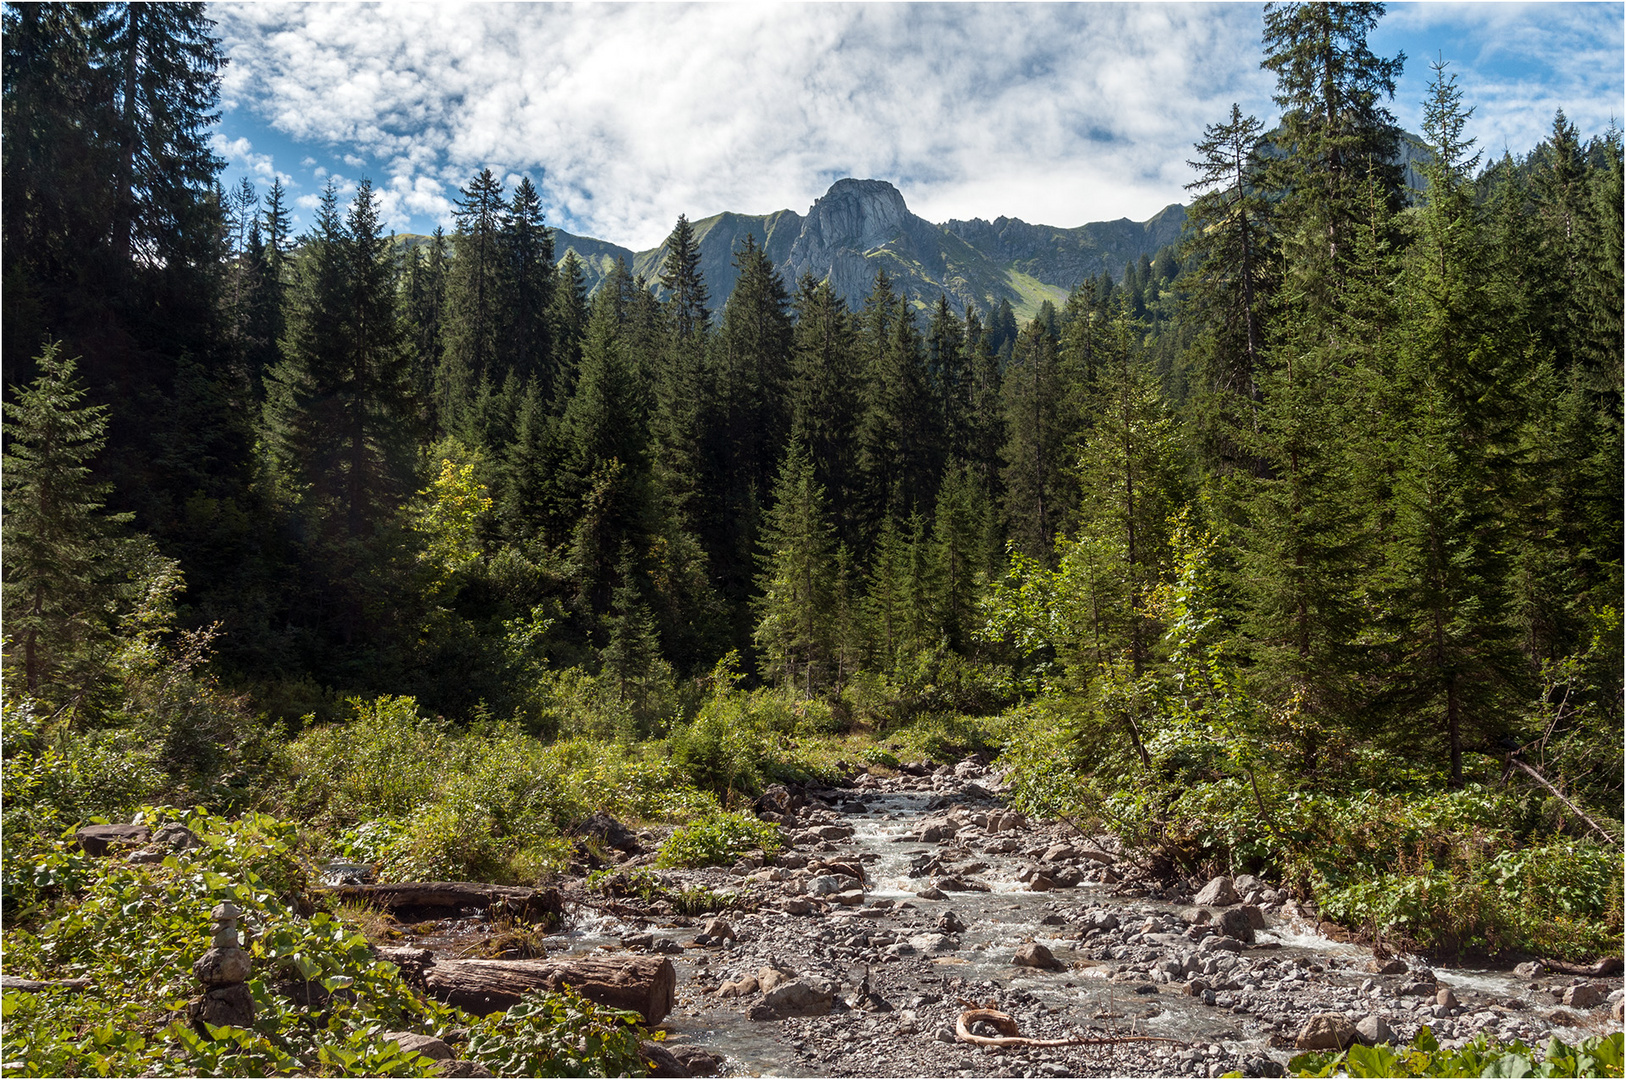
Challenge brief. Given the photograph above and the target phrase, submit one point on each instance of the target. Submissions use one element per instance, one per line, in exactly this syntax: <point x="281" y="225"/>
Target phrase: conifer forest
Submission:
<point x="1292" y="550"/>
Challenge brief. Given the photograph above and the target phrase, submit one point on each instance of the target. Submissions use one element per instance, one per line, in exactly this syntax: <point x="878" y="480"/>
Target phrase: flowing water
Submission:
<point x="997" y="921"/>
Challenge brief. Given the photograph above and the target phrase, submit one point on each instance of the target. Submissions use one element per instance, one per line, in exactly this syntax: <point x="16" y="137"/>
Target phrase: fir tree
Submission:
<point x="62" y="550"/>
<point x="525" y="346"/>
<point x="797" y="582"/>
<point x="474" y="295"/>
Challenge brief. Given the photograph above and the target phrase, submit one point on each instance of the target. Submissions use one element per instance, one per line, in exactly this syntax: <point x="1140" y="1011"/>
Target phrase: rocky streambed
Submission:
<point x="902" y="902"/>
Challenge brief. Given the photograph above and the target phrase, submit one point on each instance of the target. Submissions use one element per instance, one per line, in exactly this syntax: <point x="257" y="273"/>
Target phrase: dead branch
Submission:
<point x="1003" y="1022"/>
<point x="1542" y="780"/>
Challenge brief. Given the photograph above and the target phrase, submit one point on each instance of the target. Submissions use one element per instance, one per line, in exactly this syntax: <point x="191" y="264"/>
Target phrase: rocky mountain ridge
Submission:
<point x="859" y="227"/>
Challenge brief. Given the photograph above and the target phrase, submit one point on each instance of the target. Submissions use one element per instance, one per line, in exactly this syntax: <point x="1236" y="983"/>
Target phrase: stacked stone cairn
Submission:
<point x="224" y="972"/>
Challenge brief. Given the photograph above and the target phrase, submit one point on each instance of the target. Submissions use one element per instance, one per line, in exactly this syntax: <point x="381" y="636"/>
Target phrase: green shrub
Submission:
<point x="718" y="840"/>
<point x="558" y="1035"/>
<point x="1479" y="1057"/>
<point x="134" y="931"/>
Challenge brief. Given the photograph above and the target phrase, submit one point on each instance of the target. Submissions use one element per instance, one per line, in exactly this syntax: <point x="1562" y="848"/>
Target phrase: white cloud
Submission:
<point x="240" y="153"/>
<point x="627" y="115"/>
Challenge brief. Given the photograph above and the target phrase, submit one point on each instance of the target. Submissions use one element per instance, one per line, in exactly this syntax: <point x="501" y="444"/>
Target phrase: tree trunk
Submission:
<point x="442" y="896"/>
<point x="646" y="985"/>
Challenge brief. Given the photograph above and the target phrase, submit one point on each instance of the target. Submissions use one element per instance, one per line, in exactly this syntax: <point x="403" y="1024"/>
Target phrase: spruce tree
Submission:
<point x="797" y="583"/>
<point x="474" y="295"/>
<point x="525" y="346"/>
<point x="568" y="325"/>
<point x="1039" y="497"/>
<point x="1230" y="285"/>
<point x="823" y="399"/>
<point x="62" y="550"/>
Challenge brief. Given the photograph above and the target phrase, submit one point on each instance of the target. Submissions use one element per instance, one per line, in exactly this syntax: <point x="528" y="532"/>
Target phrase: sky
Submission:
<point x="626" y="115"/>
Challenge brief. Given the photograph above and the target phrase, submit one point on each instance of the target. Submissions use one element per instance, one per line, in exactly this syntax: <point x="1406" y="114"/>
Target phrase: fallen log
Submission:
<point x="646" y="985"/>
<point x="1609" y="965"/>
<point x="1011" y="1037"/>
<point x="442" y="897"/>
<point x="39" y="986"/>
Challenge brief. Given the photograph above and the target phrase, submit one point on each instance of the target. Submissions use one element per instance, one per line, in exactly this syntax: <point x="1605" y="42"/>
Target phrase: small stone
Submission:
<point x="1040" y="883"/>
<point x="932" y="892"/>
<point x="223" y="967"/>
<point x="1392" y="966"/>
<point x="1326" y="1031"/>
<point x="718" y="930"/>
<point x="950" y="923"/>
<point x="795" y="905"/>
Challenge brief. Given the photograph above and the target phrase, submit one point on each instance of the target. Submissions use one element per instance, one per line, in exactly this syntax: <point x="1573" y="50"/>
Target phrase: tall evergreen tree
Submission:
<point x="823" y="399"/>
<point x="525" y="346"/>
<point x="474" y="296"/>
<point x="797" y="583"/>
<point x="62" y="550"/>
<point x="1230" y="285"/>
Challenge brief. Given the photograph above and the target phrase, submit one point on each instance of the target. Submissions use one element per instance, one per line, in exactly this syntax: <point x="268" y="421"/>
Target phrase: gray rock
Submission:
<point x="176" y="836"/>
<point x="1235" y="923"/>
<point x="718" y="930"/>
<point x="231" y="1004"/>
<point x="661" y="1061"/>
<point x="1326" y="1031"/>
<point x="1218" y="893"/>
<point x="932" y="892"/>
<point x="824" y="885"/>
<point x="99" y="839"/>
<point x="1445" y="999"/>
<point x="1374" y="1029"/>
<point x="743" y="987"/>
<point x="1392" y="966"/>
<point x="1586" y="995"/>
<point x="934" y="943"/>
<point x="697" y="1061"/>
<point x="799" y="997"/>
<point x="223" y="967"/>
<point x="459" y="1067"/>
<point x="1530" y="969"/>
<point x="950" y="923"/>
<point x="427" y="1045"/>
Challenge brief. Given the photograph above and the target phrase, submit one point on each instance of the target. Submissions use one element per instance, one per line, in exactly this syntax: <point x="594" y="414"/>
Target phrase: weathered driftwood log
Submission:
<point x="1010" y="1037"/>
<point x="1609" y="965"/>
<point x="38" y="986"/>
<point x="452" y="896"/>
<point x="646" y="985"/>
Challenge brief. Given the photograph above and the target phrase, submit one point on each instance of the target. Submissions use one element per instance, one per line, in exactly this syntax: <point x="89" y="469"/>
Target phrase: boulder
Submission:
<point x="1392" y="966"/>
<point x="718" y="930"/>
<point x="699" y="1062"/>
<point x="176" y="837"/>
<point x="1445" y="999"/>
<point x="824" y="885"/>
<point x="934" y="943"/>
<point x="1585" y="995"/>
<point x="932" y="892"/>
<point x="1255" y="916"/>
<point x="1040" y="883"/>
<point x="1419" y="988"/>
<point x="660" y="1061"/>
<point x="950" y="923"/>
<point x="1374" y="1029"/>
<point x="770" y="978"/>
<point x="99" y="839"/>
<point x="834" y="832"/>
<point x="799" y="997"/>
<point x="743" y="987"/>
<point x="1530" y="969"/>
<point x="459" y="1067"/>
<point x="231" y="1004"/>
<point x="1326" y="1031"/>
<point x="1059" y="853"/>
<point x="1034" y="955"/>
<point x="427" y="1045"/>
<point x="795" y="905"/>
<point x="1247" y="883"/>
<point x="1218" y="893"/>
<point x="1234" y="923"/>
<point x="609" y="832"/>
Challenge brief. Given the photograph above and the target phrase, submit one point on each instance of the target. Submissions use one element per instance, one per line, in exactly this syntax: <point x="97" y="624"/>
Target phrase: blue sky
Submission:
<point x="627" y="115"/>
